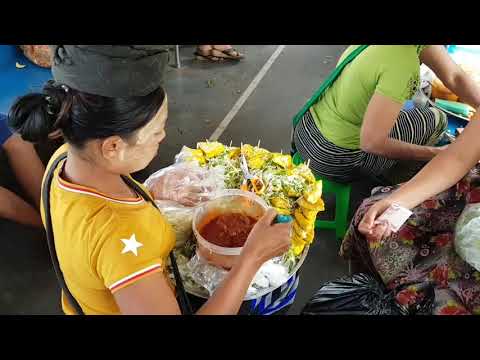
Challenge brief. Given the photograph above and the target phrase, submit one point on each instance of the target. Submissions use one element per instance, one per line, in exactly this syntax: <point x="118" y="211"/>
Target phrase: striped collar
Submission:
<point x="79" y="189"/>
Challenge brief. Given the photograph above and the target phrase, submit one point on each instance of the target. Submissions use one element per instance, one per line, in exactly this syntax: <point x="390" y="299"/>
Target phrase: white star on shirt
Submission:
<point x="131" y="245"/>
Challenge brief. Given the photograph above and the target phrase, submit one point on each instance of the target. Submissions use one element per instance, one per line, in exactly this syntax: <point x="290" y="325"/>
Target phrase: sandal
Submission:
<point x="208" y="57"/>
<point x="231" y="54"/>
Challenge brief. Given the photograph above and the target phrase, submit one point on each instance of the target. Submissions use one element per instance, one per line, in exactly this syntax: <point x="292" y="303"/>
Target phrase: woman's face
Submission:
<point x="125" y="157"/>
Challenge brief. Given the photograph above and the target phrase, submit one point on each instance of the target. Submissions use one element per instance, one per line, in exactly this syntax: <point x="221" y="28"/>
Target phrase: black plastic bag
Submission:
<point x="423" y="299"/>
<point x="362" y="294"/>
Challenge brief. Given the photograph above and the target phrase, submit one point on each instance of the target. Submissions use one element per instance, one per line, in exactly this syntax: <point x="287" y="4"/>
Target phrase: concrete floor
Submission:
<point x="200" y="95"/>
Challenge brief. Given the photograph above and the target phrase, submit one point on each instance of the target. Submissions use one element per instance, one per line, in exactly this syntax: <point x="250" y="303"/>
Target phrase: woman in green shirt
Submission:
<point x="358" y="128"/>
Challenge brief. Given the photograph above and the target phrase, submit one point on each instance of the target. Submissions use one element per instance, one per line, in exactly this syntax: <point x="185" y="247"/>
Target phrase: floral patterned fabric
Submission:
<point x="421" y="256"/>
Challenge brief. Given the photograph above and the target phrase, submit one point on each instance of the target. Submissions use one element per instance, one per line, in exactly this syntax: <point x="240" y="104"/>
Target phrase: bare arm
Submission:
<point x="153" y="295"/>
<point x="228" y="298"/>
<point x="26" y="165"/>
<point x="16" y="209"/>
<point x="378" y="121"/>
<point x="458" y="159"/>
<point x="452" y="76"/>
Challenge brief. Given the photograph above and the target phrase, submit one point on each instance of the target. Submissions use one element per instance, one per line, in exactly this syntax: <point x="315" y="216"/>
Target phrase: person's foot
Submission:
<point x="217" y="53"/>
<point x="227" y="52"/>
<point x="205" y="52"/>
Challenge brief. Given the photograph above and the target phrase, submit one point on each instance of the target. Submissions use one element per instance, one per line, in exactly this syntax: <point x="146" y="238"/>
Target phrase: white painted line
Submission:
<point x="248" y="91"/>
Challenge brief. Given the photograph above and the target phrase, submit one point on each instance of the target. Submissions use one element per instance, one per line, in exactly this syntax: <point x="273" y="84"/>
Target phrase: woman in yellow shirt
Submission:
<point x="112" y="245"/>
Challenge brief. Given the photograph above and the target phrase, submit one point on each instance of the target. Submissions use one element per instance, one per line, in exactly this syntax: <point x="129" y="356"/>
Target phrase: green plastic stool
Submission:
<point x="342" y="203"/>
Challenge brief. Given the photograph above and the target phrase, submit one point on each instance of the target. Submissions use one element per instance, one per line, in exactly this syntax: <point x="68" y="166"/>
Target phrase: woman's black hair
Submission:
<point x="80" y="116"/>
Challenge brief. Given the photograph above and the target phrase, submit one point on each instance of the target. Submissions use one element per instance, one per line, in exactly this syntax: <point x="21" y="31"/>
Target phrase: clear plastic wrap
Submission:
<point x="271" y="274"/>
<point x="204" y="274"/>
<point x="177" y="189"/>
<point x="467" y="235"/>
<point x="186" y="183"/>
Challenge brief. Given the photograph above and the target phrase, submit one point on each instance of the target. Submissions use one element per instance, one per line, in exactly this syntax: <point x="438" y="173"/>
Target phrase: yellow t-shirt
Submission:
<point x="104" y="244"/>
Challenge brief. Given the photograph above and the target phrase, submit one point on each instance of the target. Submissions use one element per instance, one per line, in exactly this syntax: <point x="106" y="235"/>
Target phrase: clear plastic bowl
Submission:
<point x="226" y="202"/>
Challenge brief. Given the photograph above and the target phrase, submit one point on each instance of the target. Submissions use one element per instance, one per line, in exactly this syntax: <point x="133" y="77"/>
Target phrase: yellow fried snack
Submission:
<point x="310" y="215"/>
<point x="305" y="172"/>
<point x="247" y="150"/>
<point x="298" y="231"/>
<point x="256" y="157"/>
<point x="313" y="192"/>
<point x="234" y="153"/>
<point x="258" y="151"/>
<point x="318" y="206"/>
<point x="211" y="149"/>
<point x="283" y="211"/>
<point x="297" y="245"/>
<point x="304" y="223"/>
<point x="256" y="162"/>
<point x="298" y="249"/>
<point x="195" y="154"/>
<point x="280" y="202"/>
<point x="310" y="236"/>
<point x="285" y="161"/>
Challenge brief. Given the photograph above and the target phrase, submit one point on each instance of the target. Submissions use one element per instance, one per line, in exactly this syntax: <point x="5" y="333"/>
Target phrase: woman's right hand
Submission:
<point x="267" y="241"/>
<point x="368" y="227"/>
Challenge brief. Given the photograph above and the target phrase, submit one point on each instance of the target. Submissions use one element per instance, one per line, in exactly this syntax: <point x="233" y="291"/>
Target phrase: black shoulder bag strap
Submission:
<point x="183" y="298"/>
<point x="50" y="239"/>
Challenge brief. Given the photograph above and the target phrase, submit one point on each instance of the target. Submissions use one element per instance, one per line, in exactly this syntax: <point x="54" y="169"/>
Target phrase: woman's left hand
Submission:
<point x="180" y="185"/>
<point x="372" y="229"/>
<point x="190" y="195"/>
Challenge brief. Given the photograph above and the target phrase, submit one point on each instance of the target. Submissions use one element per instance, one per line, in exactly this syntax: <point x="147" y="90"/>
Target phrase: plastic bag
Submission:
<point x="271" y="274"/>
<point x="180" y="217"/>
<point x="467" y="235"/>
<point x="204" y="274"/>
<point x="360" y="294"/>
<point x="177" y="189"/>
<point x="186" y="183"/>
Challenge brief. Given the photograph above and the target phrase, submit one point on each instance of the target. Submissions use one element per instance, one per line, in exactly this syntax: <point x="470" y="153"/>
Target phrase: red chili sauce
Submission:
<point x="228" y="230"/>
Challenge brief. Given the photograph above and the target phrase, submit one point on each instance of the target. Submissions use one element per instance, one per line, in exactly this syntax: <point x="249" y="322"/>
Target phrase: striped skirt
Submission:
<point x="417" y="126"/>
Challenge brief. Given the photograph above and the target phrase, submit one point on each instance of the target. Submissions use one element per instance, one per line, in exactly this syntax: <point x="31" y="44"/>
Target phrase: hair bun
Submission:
<point x="35" y="116"/>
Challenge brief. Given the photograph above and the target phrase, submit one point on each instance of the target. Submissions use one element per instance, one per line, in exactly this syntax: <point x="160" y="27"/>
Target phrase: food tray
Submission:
<point x="258" y="294"/>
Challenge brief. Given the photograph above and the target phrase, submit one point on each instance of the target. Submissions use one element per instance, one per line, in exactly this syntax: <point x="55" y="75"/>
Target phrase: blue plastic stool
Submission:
<point x="342" y="203"/>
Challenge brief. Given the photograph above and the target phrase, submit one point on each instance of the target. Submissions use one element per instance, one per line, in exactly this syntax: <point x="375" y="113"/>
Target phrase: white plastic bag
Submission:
<point x="271" y="274"/>
<point x="467" y="235"/>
